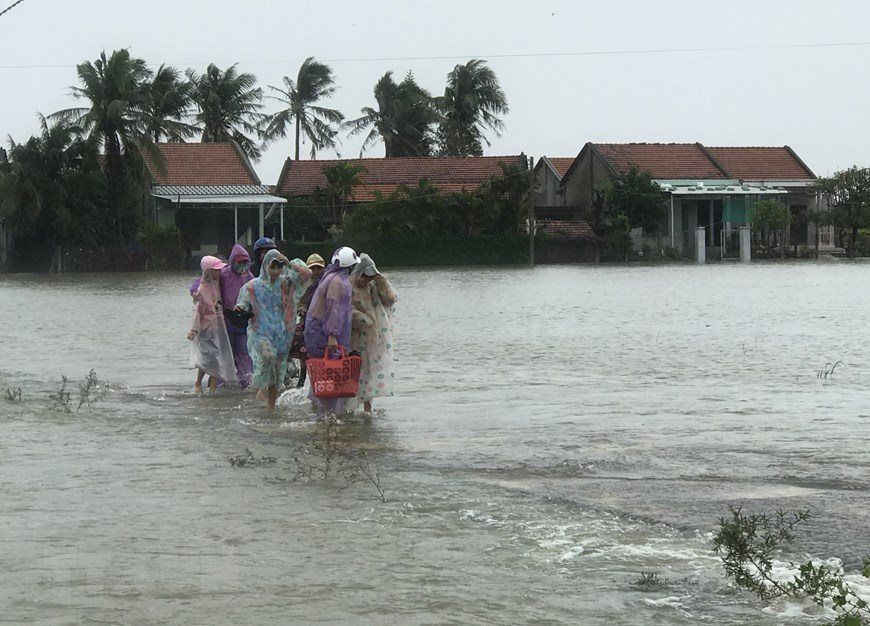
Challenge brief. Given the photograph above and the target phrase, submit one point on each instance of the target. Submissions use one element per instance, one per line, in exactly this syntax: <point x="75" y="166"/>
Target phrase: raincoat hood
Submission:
<point x="271" y="255"/>
<point x="231" y="282"/>
<point x="239" y="254"/>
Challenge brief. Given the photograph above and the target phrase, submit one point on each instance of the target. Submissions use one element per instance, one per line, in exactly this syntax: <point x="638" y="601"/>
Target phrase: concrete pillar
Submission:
<point x="745" y="244"/>
<point x="700" y="245"/>
<point x="282" y="222"/>
<point x="262" y="223"/>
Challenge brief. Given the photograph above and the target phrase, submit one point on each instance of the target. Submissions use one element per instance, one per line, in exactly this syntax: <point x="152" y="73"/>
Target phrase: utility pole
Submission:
<point x="531" y="212"/>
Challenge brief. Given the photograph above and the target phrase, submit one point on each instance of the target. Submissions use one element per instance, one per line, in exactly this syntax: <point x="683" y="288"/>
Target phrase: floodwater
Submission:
<point x="556" y="433"/>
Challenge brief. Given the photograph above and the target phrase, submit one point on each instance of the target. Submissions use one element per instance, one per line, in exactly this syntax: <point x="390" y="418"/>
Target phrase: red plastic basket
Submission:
<point x="334" y="378"/>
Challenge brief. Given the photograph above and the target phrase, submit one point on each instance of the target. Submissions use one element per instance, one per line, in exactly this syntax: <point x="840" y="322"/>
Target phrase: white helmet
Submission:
<point x="345" y="256"/>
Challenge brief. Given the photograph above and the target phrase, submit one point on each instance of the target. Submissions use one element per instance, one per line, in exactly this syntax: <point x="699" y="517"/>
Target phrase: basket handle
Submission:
<point x="339" y="348"/>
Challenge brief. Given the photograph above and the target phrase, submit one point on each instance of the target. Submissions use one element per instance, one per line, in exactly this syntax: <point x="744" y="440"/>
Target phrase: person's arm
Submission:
<point x="336" y="312"/>
<point x="386" y="293"/>
<point x="194" y="289"/>
<point x="196" y="320"/>
<point x="243" y="301"/>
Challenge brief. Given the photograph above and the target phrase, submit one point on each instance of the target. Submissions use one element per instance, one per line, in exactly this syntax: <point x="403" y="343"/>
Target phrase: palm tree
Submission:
<point x="34" y="189"/>
<point x="229" y="105"/>
<point x="169" y="101"/>
<point x="472" y="101"/>
<point x="341" y="179"/>
<point x="117" y="89"/>
<point x="313" y="83"/>
<point x="403" y="120"/>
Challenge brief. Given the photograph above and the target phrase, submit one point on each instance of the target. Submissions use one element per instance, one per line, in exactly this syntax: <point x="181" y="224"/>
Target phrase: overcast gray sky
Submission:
<point x="814" y="99"/>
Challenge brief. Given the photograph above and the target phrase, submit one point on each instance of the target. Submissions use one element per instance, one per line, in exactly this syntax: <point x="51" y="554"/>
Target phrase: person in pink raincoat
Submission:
<point x="210" y="349"/>
<point x="233" y="277"/>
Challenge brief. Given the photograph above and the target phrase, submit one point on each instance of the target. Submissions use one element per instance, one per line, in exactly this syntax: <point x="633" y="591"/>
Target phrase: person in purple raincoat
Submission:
<point x="233" y="276"/>
<point x="327" y="323"/>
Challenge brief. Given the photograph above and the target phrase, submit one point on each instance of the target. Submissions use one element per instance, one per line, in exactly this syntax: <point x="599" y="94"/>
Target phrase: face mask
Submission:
<point x="241" y="267"/>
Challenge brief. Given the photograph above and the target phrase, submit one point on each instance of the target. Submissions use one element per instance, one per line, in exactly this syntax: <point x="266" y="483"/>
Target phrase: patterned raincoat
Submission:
<point x="273" y="304"/>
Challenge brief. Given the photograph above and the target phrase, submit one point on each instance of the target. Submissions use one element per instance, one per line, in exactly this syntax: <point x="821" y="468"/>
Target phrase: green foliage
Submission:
<point x="747" y="545"/>
<point x="169" y="101"/>
<point x="847" y="193"/>
<point x="635" y="201"/>
<point x="53" y="192"/>
<point x="118" y="90"/>
<point x="314" y="82"/>
<point x="472" y="101"/>
<point x="163" y="247"/>
<point x="341" y="179"/>
<point x="770" y="215"/>
<point x="403" y="119"/>
<point x="427" y="250"/>
<point x="495" y="208"/>
<point x="307" y="217"/>
<point x="228" y="104"/>
<point x="90" y="391"/>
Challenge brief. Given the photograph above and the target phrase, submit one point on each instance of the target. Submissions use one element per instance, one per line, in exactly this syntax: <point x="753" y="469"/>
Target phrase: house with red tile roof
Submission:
<point x="710" y="188"/>
<point x="211" y="192"/>
<point x="383" y="176"/>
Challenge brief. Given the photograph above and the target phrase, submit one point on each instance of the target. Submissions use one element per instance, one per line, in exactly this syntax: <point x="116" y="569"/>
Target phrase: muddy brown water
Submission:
<point x="556" y="432"/>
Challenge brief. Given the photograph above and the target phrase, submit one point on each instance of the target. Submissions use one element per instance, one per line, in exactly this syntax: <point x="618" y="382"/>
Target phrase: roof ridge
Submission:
<point x="713" y="160"/>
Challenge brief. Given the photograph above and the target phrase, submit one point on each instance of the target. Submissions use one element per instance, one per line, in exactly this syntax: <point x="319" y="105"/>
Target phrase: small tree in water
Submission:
<point x="771" y="217"/>
<point x="634" y="200"/>
<point x="747" y="544"/>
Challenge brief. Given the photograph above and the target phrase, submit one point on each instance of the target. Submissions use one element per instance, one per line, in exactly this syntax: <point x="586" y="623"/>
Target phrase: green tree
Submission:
<point x="117" y="88"/>
<point x="472" y="102"/>
<point x="771" y="217"/>
<point x="314" y="82"/>
<point x="635" y="195"/>
<point x="510" y="197"/>
<point x="403" y="120"/>
<point x="170" y="99"/>
<point x="228" y="104"/>
<point x="747" y="543"/>
<point x="52" y="189"/>
<point x="341" y="179"/>
<point x="847" y="194"/>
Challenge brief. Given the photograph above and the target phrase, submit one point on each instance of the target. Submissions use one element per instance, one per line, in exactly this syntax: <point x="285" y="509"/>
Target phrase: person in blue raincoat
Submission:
<point x="273" y="298"/>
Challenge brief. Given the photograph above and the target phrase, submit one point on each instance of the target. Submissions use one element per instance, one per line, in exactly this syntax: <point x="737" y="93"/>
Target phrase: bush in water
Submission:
<point x="747" y="544"/>
<point x="90" y="391"/>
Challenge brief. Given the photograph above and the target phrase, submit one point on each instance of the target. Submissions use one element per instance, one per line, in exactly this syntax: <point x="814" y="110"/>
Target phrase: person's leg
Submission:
<point x="302" y="374"/>
<point x="244" y="366"/>
<point x="199" y="376"/>
<point x="273" y="396"/>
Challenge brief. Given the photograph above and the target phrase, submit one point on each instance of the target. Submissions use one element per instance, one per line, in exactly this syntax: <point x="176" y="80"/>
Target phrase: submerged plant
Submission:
<point x="13" y="394"/>
<point x="828" y="369"/>
<point x="332" y="453"/>
<point x="248" y="458"/>
<point x="61" y="400"/>
<point x="90" y="391"/>
<point x="650" y="581"/>
<point x="747" y="544"/>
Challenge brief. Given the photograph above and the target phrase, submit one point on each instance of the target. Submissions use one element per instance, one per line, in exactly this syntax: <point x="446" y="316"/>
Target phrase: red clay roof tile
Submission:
<point x="662" y="160"/>
<point x="447" y="174"/>
<point x="561" y="164"/>
<point x="761" y="163"/>
<point x="202" y="164"/>
<point x="574" y="229"/>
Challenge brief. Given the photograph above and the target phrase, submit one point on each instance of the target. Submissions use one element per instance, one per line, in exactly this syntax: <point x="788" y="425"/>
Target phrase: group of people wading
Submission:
<point x="249" y="319"/>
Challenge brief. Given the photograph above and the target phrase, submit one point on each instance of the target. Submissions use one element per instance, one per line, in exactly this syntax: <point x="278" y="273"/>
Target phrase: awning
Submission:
<point x="254" y="199"/>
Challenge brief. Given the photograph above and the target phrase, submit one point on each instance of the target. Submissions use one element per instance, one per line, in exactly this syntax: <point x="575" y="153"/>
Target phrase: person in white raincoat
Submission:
<point x="372" y="332"/>
<point x="210" y="349"/>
